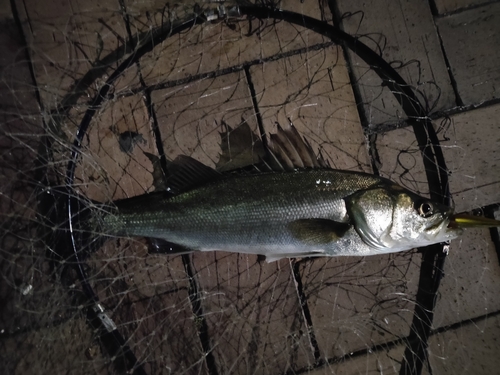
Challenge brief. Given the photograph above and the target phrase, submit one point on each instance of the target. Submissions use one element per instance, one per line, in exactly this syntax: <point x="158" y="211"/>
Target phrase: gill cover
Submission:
<point x="371" y="214"/>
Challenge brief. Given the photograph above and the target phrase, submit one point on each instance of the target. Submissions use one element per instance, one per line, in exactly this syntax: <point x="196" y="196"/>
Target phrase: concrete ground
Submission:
<point x="232" y="313"/>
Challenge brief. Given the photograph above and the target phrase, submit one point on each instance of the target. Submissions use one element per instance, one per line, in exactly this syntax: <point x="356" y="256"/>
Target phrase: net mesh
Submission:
<point x="210" y="90"/>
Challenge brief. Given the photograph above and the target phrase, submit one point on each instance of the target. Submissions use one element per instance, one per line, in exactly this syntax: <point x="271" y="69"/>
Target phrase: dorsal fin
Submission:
<point x="187" y="173"/>
<point x="303" y="149"/>
<point x="279" y="155"/>
<point x="240" y="147"/>
<point x="287" y="151"/>
<point x="282" y="138"/>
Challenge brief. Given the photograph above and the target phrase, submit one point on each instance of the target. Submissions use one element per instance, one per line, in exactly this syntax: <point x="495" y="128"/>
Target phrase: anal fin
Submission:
<point x="159" y="246"/>
<point x="307" y="254"/>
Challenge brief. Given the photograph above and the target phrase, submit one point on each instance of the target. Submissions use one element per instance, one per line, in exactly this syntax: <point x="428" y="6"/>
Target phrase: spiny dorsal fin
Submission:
<point x="279" y="155"/>
<point x="187" y="173"/>
<point x="293" y="153"/>
<point x="287" y="151"/>
<point x="240" y="147"/>
<point x="303" y="149"/>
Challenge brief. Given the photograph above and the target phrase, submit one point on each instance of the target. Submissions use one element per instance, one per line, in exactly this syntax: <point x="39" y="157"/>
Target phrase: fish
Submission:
<point x="294" y="206"/>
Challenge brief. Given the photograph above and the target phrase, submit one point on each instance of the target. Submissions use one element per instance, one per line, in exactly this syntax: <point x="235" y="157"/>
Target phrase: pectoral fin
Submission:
<point x="318" y="231"/>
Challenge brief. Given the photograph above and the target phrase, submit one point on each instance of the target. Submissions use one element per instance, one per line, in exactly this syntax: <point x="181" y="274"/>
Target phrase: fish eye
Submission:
<point x="425" y="209"/>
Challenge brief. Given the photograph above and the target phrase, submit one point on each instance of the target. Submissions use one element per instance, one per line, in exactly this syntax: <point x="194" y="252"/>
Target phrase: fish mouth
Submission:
<point x="464" y="220"/>
<point x="446" y="227"/>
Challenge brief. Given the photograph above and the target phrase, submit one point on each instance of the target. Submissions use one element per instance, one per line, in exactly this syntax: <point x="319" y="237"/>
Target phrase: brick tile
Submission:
<point x="468" y="349"/>
<point x="405" y="31"/>
<point x="253" y="314"/>
<point x="147" y="297"/>
<point x="65" y="351"/>
<point x="20" y="124"/>
<point x="380" y="362"/>
<point x="115" y="165"/>
<point x="66" y="40"/>
<point x="30" y="297"/>
<point x="211" y="47"/>
<point x="190" y="117"/>
<point x="356" y="303"/>
<point x="318" y="9"/>
<point x="5" y="10"/>
<point x="318" y="100"/>
<point x="469" y="144"/>
<point x="401" y="160"/>
<point x="470" y="286"/>
<point x="447" y="6"/>
<point x="473" y="157"/>
<point x="470" y="39"/>
<point x="145" y="13"/>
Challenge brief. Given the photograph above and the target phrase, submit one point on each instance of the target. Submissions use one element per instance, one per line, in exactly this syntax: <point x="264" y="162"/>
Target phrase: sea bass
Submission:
<point x="299" y="208"/>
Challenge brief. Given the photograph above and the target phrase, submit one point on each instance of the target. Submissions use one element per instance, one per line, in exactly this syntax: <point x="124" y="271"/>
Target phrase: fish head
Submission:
<point x="391" y="218"/>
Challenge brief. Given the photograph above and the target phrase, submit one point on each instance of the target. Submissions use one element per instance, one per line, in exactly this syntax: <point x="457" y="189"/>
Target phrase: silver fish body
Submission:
<point x="309" y="212"/>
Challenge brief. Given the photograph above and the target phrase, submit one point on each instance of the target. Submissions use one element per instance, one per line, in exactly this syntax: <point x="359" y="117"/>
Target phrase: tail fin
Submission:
<point x="65" y="220"/>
